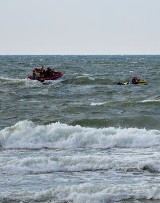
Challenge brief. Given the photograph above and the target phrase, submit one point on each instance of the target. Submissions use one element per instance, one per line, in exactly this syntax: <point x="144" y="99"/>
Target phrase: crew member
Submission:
<point x="135" y="80"/>
<point x="42" y="72"/>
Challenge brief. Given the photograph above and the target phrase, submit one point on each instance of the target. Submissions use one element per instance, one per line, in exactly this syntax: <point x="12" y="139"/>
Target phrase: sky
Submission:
<point x="79" y="27"/>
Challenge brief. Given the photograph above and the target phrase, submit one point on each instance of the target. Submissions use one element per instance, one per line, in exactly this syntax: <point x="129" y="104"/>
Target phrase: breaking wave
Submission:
<point x="26" y="134"/>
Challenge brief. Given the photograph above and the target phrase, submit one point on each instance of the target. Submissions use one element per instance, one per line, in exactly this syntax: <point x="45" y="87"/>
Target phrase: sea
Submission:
<point x="81" y="138"/>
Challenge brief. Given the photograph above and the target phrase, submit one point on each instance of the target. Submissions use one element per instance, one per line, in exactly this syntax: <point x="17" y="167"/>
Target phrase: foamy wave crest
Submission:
<point x="32" y="83"/>
<point x="98" y="103"/>
<point x="150" y="100"/>
<point x="89" y="193"/>
<point x="26" y="82"/>
<point x="26" y="134"/>
<point x="16" y="81"/>
<point x="6" y="79"/>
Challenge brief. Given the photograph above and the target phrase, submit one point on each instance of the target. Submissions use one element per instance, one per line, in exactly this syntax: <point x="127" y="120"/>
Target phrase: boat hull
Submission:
<point x="140" y="81"/>
<point x="55" y="76"/>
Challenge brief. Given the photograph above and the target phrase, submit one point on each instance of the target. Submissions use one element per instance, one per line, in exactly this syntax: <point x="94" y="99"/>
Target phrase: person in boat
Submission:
<point x="36" y="74"/>
<point x="42" y="72"/>
<point x="49" y="72"/>
<point x="135" y="80"/>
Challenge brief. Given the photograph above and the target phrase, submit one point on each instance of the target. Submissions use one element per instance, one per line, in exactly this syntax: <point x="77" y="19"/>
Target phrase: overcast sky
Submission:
<point x="79" y="27"/>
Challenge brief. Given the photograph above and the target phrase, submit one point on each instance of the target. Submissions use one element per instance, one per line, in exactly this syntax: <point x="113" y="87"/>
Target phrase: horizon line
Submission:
<point x="79" y="54"/>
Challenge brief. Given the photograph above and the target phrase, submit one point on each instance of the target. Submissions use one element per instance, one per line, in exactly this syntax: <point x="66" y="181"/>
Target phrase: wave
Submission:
<point x="26" y="82"/>
<point x="87" y="79"/>
<point x="6" y="80"/>
<point x="97" y="103"/>
<point x="150" y="101"/>
<point x="89" y="193"/>
<point x="26" y="134"/>
<point x="138" y="121"/>
<point x="49" y="162"/>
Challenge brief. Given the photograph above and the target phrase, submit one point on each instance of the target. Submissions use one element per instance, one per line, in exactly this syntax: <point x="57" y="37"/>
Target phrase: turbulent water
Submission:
<point x="81" y="138"/>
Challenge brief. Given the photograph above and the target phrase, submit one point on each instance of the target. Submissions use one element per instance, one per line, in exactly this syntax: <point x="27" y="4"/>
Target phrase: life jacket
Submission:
<point x="135" y="80"/>
<point x="37" y="73"/>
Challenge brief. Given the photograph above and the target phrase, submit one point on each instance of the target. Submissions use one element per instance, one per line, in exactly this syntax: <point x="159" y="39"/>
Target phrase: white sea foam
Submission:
<point x="89" y="193"/>
<point x="26" y="134"/>
<point x="28" y="82"/>
<point x="98" y="103"/>
<point x="41" y="163"/>
<point x="6" y="79"/>
<point x="150" y="100"/>
<point x="31" y="83"/>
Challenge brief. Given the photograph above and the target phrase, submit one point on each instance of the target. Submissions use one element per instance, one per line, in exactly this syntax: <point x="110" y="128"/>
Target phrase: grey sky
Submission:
<point x="79" y="27"/>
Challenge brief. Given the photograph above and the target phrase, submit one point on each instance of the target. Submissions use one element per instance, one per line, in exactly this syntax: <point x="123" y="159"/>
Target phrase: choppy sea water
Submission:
<point x="81" y="138"/>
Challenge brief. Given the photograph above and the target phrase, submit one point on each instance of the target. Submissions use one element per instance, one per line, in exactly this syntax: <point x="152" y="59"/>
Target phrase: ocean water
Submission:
<point x="81" y="138"/>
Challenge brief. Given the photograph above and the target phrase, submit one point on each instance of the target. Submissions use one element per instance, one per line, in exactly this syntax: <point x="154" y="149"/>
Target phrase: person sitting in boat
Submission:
<point x="49" y="72"/>
<point x="135" y="80"/>
<point x="42" y="72"/>
<point x="36" y="74"/>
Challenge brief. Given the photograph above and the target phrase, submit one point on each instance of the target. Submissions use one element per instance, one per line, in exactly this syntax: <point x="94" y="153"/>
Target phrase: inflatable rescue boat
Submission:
<point x="41" y="74"/>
